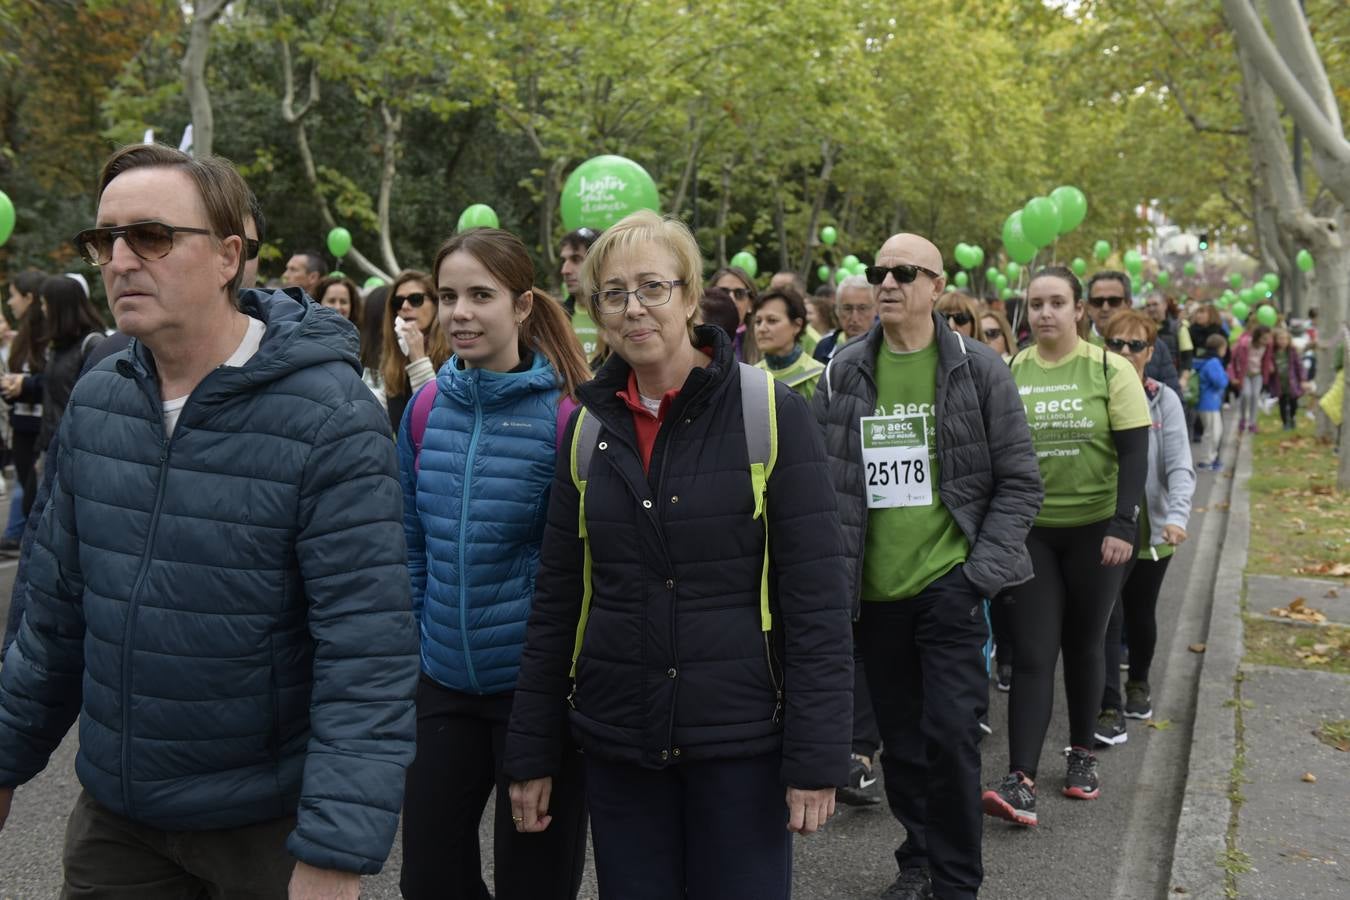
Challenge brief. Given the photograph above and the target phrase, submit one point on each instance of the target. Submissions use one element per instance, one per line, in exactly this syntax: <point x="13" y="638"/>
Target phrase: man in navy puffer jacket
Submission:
<point x="218" y="585"/>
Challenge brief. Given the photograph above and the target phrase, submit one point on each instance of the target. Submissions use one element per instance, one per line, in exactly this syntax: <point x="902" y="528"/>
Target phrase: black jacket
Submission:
<point x="64" y="365"/>
<point x="988" y="477"/>
<point x="674" y="666"/>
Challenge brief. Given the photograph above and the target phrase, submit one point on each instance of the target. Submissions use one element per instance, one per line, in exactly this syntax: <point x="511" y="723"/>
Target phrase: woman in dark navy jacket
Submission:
<point x="707" y="739"/>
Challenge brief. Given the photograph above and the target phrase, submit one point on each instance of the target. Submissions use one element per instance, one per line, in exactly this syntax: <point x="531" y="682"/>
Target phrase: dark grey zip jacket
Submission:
<point x="988" y="477"/>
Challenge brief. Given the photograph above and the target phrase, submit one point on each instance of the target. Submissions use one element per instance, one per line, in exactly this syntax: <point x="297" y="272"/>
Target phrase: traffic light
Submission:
<point x="1204" y="240"/>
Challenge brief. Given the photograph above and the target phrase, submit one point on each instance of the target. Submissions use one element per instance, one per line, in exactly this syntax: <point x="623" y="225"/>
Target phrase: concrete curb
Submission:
<point x="1206" y="809"/>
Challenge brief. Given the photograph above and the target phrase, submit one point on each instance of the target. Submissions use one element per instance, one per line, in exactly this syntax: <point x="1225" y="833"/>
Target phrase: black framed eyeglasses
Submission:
<point x="1118" y="345"/>
<point x="648" y="294"/>
<point x="901" y="274"/>
<point x="148" y="240"/>
<point x="1114" y="302"/>
<point x="414" y="300"/>
<point x="959" y="318"/>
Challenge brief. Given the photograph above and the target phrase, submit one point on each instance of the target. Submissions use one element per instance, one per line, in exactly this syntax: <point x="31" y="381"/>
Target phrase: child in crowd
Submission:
<point x="1213" y="383"/>
<point x="1286" y="383"/>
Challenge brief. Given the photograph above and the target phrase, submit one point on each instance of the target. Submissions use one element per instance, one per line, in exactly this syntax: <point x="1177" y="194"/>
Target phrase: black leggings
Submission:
<point x="23" y="447"/>
<point x="1064" y="607"/>
<point x="1136" y="614"/>
<point x="1288" y="410"/>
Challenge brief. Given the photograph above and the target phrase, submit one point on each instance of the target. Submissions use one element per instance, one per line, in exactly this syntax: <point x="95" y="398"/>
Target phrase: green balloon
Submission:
<point x="6" y="218"/>
<point x="1078" y="266"/>
<point x="1134" y="263"/>
<point x="479" y="215"/>
<point x="1101" y="250"/>
<point x="605" y="189"/>
<point x="339" y="242"/>
<point x="1273" y="280"/>
<point x="828" y="235"/>
<point x="1235" y="279"/>
<point x="849" y="261"/>
<point x="1014" y="271"/>
<point x="1240" y="310"/>
<point x="1188" y="269"/>
<point x="1164" y="278"/>
<point x="991" y="274"/>
<point x="1009" y="294"/>
<point x="1001" y="281"/>
<point x="961" y="253"/>
<point x="823" y="273"/>
<point x="746" y="262"/>
<point x="1267" y="316"/>
<point x="1072" y="206"/>
<point x="1247" y="295"/>
<point x="1040" y="221"/>
<point x="1015" y="241"/>
<point x="1304" y="258"/>
<point x="373" y="282"/>
<point x="979" y="256"/>
<point x="860" y="268"/>
<point x="961" y="279"/>
<point x="337" y="273"/>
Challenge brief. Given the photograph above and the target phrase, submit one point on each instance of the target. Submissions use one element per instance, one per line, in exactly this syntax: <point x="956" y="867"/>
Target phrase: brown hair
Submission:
<point x="955" y="301"/>
<point x="1132" y="320"/>
<point x="354" y="315"/>
<point x="823" y="304"/>
<point x="792" y="300"/>
<point x="223" y="193"/>
<point x="1009" y="338"/>
<point x="547" y="328"/>
<point x="392" y="361"/>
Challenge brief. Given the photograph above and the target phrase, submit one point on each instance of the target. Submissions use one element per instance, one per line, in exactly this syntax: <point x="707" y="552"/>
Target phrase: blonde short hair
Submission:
<point x="631" y="232"/>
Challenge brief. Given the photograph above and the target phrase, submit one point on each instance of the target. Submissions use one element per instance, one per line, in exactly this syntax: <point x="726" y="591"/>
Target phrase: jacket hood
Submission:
<point x="463" y="385"/>
<point x="300" y="334"/>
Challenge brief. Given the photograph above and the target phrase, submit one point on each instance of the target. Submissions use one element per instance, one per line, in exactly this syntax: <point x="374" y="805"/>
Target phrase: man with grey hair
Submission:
<point x="857" y="308"/>
<point x="937" y="482"/>
<point x="218" y="587"/>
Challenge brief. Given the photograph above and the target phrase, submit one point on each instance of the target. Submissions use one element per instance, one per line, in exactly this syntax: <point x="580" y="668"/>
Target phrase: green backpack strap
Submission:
<point x="760" y="418"/>
<point x="584" y="439"/>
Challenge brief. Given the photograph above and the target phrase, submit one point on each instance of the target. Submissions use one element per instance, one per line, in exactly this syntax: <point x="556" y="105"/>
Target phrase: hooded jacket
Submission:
<point x="988" y="477"/>
<point x="674" y="667"/>
<point x="226" y="606"/>
<point x="1171" y="475"/>
<point x="473" y="513"/>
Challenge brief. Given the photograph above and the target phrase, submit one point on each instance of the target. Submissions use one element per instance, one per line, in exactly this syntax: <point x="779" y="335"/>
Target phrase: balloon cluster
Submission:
<point x="1042" y="221"/>
<point x="849" y="265"/>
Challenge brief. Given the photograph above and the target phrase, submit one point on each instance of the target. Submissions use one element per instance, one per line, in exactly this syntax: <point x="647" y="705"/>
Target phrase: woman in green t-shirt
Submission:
<point x="779" y="318"/>
<point x="1089" y="422"/>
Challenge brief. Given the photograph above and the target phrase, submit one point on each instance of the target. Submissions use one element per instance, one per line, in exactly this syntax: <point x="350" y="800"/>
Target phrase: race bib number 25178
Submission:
<point x="896" y="460"/>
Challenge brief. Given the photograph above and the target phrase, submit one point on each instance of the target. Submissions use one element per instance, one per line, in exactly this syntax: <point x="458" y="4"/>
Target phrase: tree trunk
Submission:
<point x="827" y="153"/>
<point x="723" y="210"/>
<point x="552" y="191"/>
<point x="393" y="124"/>
<point x="194" y="75"/>
<point x="780" y="228"/>
<point x="690" y="164"/>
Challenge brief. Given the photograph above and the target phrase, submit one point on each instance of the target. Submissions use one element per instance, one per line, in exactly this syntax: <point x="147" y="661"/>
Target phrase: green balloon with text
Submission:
<point x="605" y="189"/>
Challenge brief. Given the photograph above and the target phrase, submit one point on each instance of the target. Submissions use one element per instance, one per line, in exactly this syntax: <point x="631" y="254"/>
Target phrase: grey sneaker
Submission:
<point x="1138" y="703"/>
<point x="1110" y="728"/>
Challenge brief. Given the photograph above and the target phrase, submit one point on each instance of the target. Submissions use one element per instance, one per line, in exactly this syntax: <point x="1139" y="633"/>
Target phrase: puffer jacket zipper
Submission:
<point x="464" y="530"/>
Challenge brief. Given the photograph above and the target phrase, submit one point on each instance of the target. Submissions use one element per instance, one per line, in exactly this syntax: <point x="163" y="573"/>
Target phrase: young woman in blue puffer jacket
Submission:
<point x="476" y="459"/>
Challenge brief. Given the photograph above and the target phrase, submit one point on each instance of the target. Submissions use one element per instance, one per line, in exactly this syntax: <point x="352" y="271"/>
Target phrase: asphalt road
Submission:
<point x="1118" y="846"/>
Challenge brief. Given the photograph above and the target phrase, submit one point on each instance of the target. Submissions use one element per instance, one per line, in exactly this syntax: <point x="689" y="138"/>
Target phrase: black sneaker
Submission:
<point x="913" y="883"/>
<point x="985" y="727"/>
<point x="1004" y="679"/>
<point x="1014" y="799"/>
<point x="1110" y="728"/>
<point x="1081" y="782"/>
<point x="1138" y="702"/>
<point x="861" y="789"/>
<point x="1124" y="658"/>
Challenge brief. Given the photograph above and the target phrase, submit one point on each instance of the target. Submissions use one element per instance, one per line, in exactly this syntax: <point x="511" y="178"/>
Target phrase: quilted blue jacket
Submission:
<point x="226" y="607"/>
<point x="473" y="512"/>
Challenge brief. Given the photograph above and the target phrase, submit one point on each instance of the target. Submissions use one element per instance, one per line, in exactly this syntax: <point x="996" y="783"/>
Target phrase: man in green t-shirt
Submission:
<point x="937" y="481"/>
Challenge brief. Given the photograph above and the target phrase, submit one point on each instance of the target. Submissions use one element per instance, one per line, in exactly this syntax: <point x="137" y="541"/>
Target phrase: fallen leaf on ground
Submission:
<point x="1196" y="648"/>
<point x="1336" y="570"/>
<point x="1332" y="594"/>
<point x="1298" y="610"/>
<point x="1224" y="505"/>
<point x="1159" y="724"/>
<point x="1310" y="778"/>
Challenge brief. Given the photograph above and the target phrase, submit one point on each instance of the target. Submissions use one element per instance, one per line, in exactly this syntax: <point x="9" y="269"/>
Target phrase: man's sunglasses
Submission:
<point x="902" y="274"/>
<point x="1115" y="302"/>
<point x="148" y="240"/>
<point x="414" y="300"/>
<point x="959" y="318"/>
<point x="1119" y="345"/>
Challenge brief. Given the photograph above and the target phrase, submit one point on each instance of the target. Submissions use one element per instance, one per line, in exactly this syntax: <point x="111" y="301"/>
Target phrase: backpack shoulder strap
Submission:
<point x="760" y="418"/>
<point x="424" y="400"/>
<point x="584" y="439"/>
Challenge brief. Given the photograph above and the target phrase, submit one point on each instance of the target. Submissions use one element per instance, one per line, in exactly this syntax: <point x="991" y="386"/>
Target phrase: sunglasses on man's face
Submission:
<point x="901" y="274"/>
<point x="148" y="240"/>
<point x="1114" y="302"/>
<point x="959" y="318"/>
<point x="1119" y="345"/>
<point x="414" y="300"/>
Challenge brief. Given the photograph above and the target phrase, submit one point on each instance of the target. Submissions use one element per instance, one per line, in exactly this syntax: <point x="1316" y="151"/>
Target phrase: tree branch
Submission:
<point x="393" y="124"/>
<point x="1196" y="122"/>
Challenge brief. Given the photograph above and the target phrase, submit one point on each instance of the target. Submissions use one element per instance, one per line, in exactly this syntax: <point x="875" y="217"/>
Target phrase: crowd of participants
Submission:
<point x="308" y="558"/>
